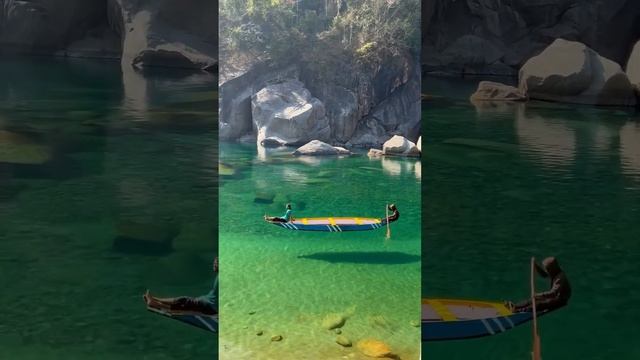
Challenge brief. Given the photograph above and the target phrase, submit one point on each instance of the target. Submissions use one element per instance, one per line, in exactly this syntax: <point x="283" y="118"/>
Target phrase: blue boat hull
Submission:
<point x="329" y="228"/>
<point x="204" y="322"/>
<point x="466" y="329"/>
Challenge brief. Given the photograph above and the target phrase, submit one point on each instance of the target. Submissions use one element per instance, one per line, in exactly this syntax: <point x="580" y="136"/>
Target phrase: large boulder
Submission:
<point x="493" y="91"/>
<point x="143" y="33"/>
<point x="287" y="114"/>
<point x="520" y="29"/>
<point x="158" y="34"/>
<point x="569" y="71"/>
<point x="236" y="87"/>
<point x="400" y="146"/>
<point x="316" y="148"/>
<point x="633" y="66"/>
<point x="366" y="104"/>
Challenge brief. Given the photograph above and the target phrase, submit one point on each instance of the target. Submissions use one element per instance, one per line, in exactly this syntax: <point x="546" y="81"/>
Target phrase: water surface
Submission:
<point x="504" y="182"/>
<point x="281" y="282"/>
<point x="90" y="158"/>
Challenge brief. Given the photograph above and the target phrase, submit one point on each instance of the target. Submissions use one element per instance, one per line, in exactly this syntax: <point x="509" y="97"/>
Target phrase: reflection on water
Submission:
<point x="630" y="149"/>
<point x="107" y="187"/>
<point x="550" y="140"/>
<point x="506" y="182"/>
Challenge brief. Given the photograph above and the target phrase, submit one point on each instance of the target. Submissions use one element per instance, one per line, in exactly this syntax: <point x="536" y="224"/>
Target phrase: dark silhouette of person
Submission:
<point x="206" y="304"/>
<point x="557" y="296"/>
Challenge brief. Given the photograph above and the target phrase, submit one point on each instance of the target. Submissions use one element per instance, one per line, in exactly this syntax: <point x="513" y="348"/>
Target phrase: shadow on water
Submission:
<point x="362" y="257"/>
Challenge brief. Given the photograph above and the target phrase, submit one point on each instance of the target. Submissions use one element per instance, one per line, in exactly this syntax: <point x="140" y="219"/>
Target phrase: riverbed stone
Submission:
<point x="343" y="340"/>
<point x="374" y="348"/>
<point x="16" y="148"/>
<point x="333" y="321"/>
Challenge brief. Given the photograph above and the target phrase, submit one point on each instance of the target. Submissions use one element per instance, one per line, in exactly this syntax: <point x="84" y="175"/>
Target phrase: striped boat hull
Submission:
<point x="204" y="322"/>
<point x="444" y="319"/>
<point x="332" y="224"/>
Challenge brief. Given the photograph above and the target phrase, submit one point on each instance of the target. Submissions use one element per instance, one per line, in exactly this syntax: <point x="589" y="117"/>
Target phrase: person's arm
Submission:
<point x="553" y="292"/>
<point x="541" y="271"/>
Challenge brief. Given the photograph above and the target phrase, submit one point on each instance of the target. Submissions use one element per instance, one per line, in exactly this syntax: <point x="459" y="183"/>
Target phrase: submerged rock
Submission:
<point x="343" y="340"/>
<point x="569" y="71"/>
<point x="264" y="198"/>
<point x="374" y="348"/>
<point x="319" y="148"/>
<point x="493" y="91"/>
<point x="333" y="321"/>
<point x="277" y="338"/>
<point x="21" y="149"/>
<point x="400" y="146"/>
<point x="225" y="170"/>
<point x="145" y="238"/>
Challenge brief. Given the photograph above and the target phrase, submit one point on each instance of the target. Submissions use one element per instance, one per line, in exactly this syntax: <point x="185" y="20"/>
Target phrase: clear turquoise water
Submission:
<point x="285" y="282"/>
<point x="105" y="149"/>
<point x="545" y="179"/>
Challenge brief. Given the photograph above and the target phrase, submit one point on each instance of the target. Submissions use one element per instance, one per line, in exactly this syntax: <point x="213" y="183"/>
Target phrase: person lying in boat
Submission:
<point x="394" y="215"/>
<point x="284" y="218"/>
<point x="555" y="297"/>
<point x="206" y="304"/>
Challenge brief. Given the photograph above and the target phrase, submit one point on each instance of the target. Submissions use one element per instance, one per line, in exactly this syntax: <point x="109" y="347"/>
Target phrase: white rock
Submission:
<point x="493" y="91"/>
<point x="317" y="147"/>
<point x="400" y="146"/>
<point x="569" y="71"/>
<point x="633" y="66"/>
<point x="375" y="153"/>
<point x="287" y="114"/>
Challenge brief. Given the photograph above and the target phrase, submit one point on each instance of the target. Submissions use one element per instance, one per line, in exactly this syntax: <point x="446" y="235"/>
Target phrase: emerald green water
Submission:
<point x="535" y="179"/>
<point x="283" y="282"/>
<point x="86" y="150"/>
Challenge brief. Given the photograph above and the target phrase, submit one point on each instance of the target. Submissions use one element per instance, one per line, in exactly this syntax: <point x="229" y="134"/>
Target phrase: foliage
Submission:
<point x="290" y="30"/>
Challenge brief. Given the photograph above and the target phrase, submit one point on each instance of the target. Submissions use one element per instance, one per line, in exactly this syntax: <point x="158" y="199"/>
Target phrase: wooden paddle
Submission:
<point x="535" y="353"/>
<point x="386" y="210"/>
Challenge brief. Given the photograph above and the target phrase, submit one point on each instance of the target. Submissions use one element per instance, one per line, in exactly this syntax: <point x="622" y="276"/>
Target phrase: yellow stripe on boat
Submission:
<point x="358" y="221"/>
<point x="305" y="221"/>
<point x="442" y="310"/>
<point x="502" y="310"/>
<point x="332" y="221"/>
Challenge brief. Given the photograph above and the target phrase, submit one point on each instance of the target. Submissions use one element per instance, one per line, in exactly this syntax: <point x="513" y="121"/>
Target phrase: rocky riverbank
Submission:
<point x="488" y="37"/>
<point x="141" y="34"/>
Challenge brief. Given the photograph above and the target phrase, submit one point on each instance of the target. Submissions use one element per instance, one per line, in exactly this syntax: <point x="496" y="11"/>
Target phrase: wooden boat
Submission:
<point x="332" y="224"/>
<point x="448" y="319"/>
<point x="336" y="224"/>
<point x="200" y="320"/>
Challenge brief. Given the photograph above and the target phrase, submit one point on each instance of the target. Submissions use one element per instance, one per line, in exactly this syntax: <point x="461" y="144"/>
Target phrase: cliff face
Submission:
<point x="498" y="36"/>
<point x="141" y="33"/>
